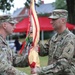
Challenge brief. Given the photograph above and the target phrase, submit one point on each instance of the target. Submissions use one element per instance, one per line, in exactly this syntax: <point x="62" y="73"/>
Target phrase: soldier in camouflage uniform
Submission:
<point x="7" y="57"/>
<point x="61" y="48"/>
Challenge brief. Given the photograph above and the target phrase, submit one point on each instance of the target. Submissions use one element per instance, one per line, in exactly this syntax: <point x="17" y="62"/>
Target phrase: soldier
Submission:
<point x="7" y="56"/>
<point x="61" y="47"/>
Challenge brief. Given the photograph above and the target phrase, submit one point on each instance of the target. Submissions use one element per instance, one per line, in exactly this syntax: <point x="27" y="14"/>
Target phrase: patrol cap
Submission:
<point x="7" y="18"/>
<point x="59" y="13"/>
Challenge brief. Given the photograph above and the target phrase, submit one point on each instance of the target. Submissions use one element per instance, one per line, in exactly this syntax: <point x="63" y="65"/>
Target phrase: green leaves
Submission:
<point x="60" y="4"/>
<point x="6" y="4"/>
<point x="27" y="3"/>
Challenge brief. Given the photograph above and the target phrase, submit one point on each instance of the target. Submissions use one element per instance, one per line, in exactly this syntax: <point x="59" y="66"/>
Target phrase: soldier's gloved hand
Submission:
<point x="39" y="71"/>
<point x="33" y="71"/>
<point x="45" y="70"/>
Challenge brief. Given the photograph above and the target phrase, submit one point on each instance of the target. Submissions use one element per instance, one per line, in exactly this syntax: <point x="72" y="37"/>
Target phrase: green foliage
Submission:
<point x="60" y="4"/>
<point x="6" y="4"/>
<point x="48" y="35"/>
<point x="71" y="11"/>
<point x="21" y="36"/>
<point x="45" y="14"/>
<point x="39" y="2"/>
<point x="27" y="3"/>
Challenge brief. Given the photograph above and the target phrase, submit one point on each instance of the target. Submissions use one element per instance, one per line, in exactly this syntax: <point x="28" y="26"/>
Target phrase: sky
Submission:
<point x="20" y="3"/>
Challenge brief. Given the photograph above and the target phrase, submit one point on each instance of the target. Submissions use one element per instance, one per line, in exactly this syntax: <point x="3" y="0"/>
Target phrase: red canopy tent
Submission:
<point x="22" y="26"/>
<point x="44" y="22"/>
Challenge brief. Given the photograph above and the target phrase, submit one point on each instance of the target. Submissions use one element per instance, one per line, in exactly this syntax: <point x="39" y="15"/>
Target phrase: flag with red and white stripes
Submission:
<point x="33" y="54"/>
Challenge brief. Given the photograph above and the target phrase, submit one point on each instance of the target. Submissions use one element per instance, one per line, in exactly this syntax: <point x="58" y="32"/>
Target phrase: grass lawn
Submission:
<point x="43" y="62"/>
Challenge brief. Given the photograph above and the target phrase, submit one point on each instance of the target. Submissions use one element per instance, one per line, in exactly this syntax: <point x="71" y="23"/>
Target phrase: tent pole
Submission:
<point x="42" y="36"/>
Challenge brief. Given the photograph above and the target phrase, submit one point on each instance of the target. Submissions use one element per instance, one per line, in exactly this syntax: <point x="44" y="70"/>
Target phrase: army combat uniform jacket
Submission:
<point x="60" y="58"/>
<point x="7" y="58"/>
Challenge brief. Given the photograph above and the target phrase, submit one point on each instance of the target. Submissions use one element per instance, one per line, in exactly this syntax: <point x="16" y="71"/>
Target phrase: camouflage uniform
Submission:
<point x="60" y="59"/>
<point x="7" y="58"/>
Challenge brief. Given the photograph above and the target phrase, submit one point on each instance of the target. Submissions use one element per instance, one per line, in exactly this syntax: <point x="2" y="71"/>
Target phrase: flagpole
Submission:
<point x="33" y="54"/>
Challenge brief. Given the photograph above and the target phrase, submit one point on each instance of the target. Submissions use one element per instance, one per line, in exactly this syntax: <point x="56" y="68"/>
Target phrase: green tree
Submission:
<point x="70" y="6"/>
<point x="6" y="4"/>
<point x="27" y="3"/>
<point x="39" y="2"/>
<point x="60" y="4"/>
<point x="71" y="10"/>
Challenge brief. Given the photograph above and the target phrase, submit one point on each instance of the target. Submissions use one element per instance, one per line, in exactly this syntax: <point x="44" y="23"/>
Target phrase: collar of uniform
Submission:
<point x="4" y="41"/>
<point x="60" y="36"/>
<point x="64" y="32"/>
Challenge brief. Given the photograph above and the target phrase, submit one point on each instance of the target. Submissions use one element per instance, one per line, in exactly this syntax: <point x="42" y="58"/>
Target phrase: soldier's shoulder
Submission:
<point x="70" y="35"/>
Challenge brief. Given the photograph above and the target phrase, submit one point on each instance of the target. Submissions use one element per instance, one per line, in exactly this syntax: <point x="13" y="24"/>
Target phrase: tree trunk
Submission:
<point x="71" y="11"/>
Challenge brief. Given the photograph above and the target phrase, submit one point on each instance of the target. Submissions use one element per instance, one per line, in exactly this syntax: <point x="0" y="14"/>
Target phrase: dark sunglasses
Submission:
<point x="12" y="24"/>
<point x="55" y="19"/>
